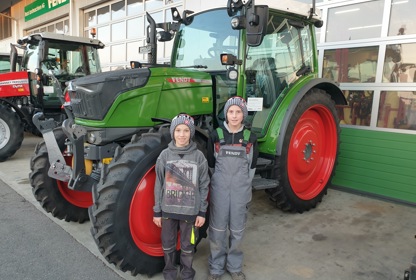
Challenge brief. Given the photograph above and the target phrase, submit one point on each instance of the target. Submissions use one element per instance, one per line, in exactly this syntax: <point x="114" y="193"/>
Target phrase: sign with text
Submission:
<point x="41" y="7"/>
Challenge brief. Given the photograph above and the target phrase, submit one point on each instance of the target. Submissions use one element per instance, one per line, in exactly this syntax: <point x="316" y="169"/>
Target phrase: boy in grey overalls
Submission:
<point x="232" y="158"/>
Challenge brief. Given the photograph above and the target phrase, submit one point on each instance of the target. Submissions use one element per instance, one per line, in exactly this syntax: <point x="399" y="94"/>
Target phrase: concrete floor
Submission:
<point x="347" y="236"/>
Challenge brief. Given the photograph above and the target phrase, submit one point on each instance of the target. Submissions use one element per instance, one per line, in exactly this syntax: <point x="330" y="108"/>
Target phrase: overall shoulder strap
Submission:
<point x="220" y="133"/>
<point x="246" y="138"/>
<point x="221" y="142"/>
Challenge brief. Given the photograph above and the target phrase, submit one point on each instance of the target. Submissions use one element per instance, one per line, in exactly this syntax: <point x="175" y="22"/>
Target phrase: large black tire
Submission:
<point x="11" y="132"/>
<point x="54" y="195"/>
<point x="122" y="213"/>
<point x="310" y="148"/>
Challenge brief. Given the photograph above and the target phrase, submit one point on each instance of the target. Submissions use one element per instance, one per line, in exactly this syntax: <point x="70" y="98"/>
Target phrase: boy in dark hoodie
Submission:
<point x="181" y="191"/>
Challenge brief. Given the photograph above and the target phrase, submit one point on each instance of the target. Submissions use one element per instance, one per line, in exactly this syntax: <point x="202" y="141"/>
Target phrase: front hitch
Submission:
<point x="75" y="176"/>
<point x="58" y="168"/>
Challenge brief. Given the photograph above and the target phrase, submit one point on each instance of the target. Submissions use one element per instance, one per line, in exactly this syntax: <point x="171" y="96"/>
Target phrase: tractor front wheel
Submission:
<point x="54" y="195"/>
<point x="310" y="147"/>
<point x="11" y="132"/>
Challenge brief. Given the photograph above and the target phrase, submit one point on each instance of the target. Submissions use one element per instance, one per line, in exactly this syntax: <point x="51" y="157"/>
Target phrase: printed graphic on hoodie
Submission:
<point x="180" y="179"/>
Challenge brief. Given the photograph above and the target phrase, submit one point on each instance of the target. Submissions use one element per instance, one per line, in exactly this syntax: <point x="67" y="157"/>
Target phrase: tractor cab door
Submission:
<point x="272" y="67"/>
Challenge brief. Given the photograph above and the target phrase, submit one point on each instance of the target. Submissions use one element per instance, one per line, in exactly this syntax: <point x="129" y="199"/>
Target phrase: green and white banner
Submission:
<point x="41" y="7"/>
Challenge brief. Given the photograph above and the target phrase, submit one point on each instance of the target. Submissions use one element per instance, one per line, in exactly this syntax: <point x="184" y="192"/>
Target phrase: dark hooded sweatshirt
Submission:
<point x="182" y="180"/>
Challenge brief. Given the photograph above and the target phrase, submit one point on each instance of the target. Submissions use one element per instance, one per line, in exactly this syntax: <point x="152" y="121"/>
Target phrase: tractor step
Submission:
<point x="260" y="183"/>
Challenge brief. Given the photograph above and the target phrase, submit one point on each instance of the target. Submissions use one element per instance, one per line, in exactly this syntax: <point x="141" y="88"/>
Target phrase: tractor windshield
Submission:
<point x="63" y="59"/>
<point x="202" y="42"/>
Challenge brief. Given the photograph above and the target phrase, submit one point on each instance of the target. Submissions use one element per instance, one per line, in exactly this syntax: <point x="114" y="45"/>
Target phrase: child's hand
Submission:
<point x="157" y="221"/>
<point x="200" y="221"/>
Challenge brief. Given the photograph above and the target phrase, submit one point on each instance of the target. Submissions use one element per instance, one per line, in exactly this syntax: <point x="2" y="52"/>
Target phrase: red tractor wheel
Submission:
<point x="55" y="196"/>
<point x="306" y="165"/>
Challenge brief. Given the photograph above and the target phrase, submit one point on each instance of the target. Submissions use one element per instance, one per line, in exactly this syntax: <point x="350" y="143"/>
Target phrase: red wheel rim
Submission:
<point x="145" y="233"/>
<point x="77" y="198"/>
<point x="312" y="152"/>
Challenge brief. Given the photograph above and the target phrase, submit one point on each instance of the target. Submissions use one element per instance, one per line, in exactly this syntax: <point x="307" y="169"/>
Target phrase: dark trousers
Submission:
<point x="169" y="243"/>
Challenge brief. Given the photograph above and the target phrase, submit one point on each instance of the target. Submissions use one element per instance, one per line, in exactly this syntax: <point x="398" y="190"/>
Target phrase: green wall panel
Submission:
<point x="379" y="163"/>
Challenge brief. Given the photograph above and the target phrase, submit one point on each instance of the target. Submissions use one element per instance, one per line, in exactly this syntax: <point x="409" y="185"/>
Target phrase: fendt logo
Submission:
<point x="179" y="80"/>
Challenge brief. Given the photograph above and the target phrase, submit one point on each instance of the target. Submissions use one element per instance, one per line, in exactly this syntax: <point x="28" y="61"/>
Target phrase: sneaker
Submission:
<point x="214" y="277"/>
<point x="238" y="276"/>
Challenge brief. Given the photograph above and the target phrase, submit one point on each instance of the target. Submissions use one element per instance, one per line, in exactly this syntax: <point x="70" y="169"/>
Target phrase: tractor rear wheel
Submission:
<point x="310" y="147"/>
<point x="122" y="213"/>
<point x="11" y="132"/>
<point x="54" y="195"/>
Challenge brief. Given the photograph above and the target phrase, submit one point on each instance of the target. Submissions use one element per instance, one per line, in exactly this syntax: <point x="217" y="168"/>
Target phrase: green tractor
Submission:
<point x="100" y="163"/>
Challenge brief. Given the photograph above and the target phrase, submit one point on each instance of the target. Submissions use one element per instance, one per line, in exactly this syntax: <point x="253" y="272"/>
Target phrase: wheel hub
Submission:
<point x="309" y="151"/>
<point x="4" y="134"/>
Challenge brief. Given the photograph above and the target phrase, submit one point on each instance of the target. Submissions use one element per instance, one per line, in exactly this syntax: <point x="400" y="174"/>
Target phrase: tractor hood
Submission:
<point x="93" y="95"/>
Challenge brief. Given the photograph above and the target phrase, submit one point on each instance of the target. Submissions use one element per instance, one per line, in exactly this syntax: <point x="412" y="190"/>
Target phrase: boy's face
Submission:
<point x="235" y="115"/>
<point x="182" y="135"/>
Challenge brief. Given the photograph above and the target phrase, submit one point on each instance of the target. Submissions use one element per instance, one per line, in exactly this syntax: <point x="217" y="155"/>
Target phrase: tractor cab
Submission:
<point x="259" y="53"/>
<point x="48" y="56"/>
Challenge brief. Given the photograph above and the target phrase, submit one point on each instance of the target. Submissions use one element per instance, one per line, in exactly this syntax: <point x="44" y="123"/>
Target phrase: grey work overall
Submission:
<point x="229" y="198"/>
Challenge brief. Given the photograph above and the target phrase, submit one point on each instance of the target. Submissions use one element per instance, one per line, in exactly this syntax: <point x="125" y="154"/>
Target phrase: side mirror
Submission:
<point x="256" y="24"/>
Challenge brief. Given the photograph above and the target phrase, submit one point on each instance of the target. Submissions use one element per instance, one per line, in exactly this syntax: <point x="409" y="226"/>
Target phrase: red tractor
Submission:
<point x="49" y="60"/>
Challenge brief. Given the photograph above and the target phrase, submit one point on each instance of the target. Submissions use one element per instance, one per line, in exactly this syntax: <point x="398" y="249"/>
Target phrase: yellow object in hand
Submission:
<point x="193" y="236"/>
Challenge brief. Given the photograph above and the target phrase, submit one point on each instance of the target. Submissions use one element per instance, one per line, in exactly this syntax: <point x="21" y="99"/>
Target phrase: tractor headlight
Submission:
<point x="238" y="22"/>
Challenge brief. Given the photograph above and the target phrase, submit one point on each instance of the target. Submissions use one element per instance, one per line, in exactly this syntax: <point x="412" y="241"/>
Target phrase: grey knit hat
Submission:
<point x="240" y="102"/>
<point x="182" y="119"/>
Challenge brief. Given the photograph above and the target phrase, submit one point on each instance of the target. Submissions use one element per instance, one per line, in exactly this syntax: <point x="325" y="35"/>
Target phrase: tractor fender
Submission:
<point x="23" y="117"/>
<point x="321" y="83"/>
